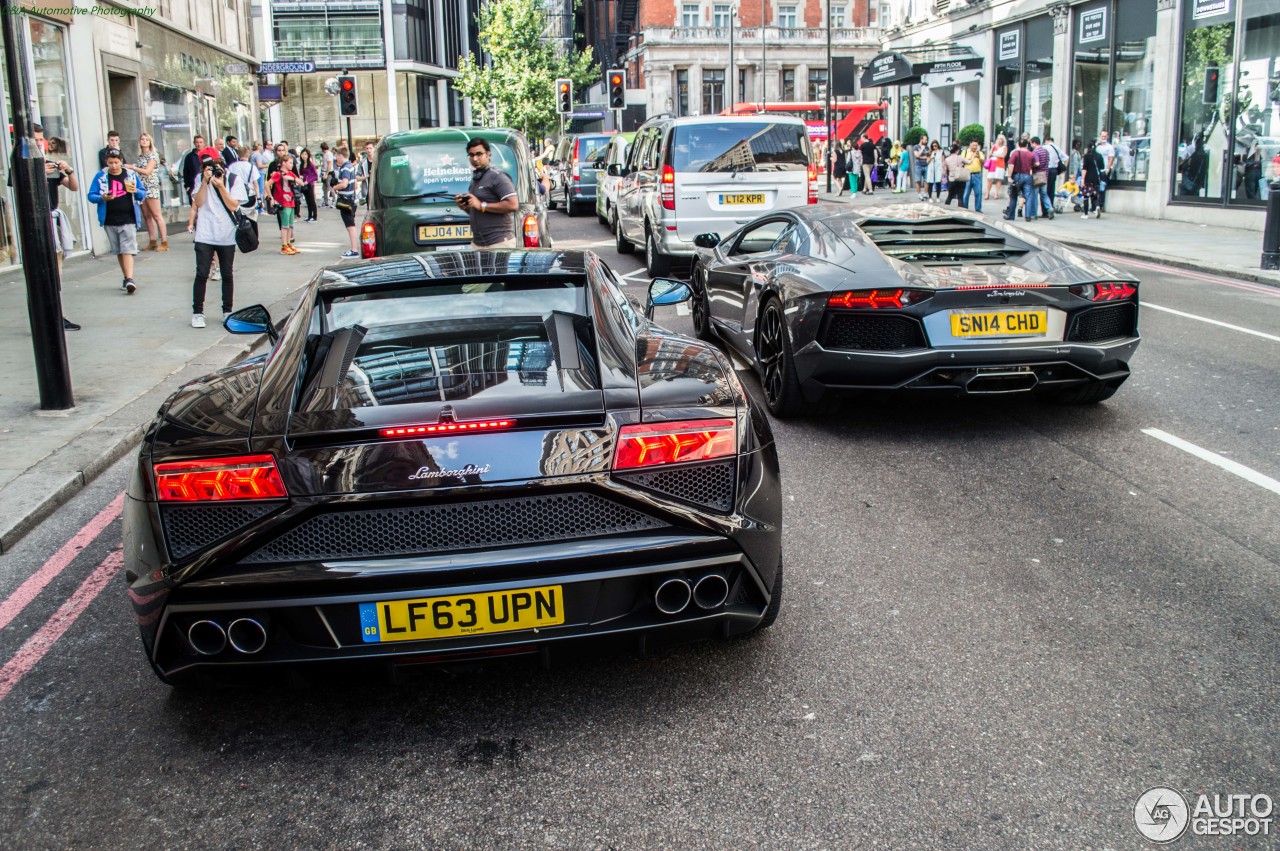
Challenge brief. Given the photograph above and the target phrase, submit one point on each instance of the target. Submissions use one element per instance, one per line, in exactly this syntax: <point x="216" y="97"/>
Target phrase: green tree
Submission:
<point x="971" y="133"/>
<point x="522" y="67"/>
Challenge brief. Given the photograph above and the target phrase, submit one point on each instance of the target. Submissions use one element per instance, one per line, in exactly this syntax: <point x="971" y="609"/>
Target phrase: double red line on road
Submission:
<point x="40" y="643"/>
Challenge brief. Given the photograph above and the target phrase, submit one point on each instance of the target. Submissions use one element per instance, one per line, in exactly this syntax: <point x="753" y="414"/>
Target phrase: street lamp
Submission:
<point x="733" y="69"/>
<point x="764" y="58"/>
<point x="830" y="79"/>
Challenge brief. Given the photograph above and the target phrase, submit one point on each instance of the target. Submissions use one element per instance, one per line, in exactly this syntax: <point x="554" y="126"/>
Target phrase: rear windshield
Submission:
<point x="439" y="167"/>
<point x="738" y="146"/>
<point x="436" y="342"/>
<point x="591" y="148"/>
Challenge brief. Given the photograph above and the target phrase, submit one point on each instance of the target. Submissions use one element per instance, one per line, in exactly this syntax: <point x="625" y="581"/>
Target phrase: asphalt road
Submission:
<point x="1003" y="622"/>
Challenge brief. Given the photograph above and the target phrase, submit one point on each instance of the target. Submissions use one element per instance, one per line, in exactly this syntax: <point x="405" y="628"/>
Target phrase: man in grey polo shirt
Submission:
<point x="489" y="200"/>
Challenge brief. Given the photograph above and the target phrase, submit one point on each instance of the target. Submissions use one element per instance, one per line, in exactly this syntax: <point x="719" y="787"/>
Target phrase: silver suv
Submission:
<point x="686" y="176"/>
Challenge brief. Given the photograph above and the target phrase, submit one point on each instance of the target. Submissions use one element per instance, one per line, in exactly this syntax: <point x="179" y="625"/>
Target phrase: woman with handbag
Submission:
<point x="995" y="169"/>
<point x="213" y="221"/>
<point x="310" y="174"/>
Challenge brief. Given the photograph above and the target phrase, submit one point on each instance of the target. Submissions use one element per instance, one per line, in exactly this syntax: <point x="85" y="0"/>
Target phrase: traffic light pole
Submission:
<point x="35" y="233"/>
<point x="350" y="147"/>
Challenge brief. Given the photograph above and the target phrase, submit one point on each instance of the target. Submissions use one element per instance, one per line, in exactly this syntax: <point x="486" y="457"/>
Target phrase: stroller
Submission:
<point x="1068" y="194"/>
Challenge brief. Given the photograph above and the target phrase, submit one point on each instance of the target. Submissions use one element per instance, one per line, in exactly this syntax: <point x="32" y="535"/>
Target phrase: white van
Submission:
<point x="686" y="176"/>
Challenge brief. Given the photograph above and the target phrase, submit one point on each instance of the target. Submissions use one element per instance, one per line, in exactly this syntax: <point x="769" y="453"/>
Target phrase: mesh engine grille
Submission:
<point x="1103" y="323"/>
<point x="189" y="528"/>
<point x="872" y="333"/>
<point x="457" y="526"/>
<point x="706" y="484"/>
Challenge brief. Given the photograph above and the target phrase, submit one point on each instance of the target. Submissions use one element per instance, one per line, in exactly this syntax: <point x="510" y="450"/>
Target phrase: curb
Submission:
<point x="70" y="469"/>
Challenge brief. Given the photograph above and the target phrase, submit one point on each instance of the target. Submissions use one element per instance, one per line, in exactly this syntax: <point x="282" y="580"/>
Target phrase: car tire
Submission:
<point x="698" y="306"/>
<point x="621" y="243"/>
<point x="601" y="217"/>
<point x="569" y="207"/>
<point x="1086" y="394"/>
<point x="656" y="263"/>
<point x="777" y="368"/>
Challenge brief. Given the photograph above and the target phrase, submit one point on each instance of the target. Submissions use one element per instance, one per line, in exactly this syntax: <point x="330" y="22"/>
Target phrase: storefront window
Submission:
<point x="1091" y="80"/>
<point x="1257" y="144"/>
<point x="53" y="86"/>
<point x="682" y="92"/>
<point x="789" y="84"/>
<point x="1038" y="73"/>
<point x="1009" y="82"/>
<point x="170" y="109"/>
<point x="817" y="83"/>
<point x="1135" y="83"/>
<point x="712" y="91"/>
<point x="1203" y="132"/>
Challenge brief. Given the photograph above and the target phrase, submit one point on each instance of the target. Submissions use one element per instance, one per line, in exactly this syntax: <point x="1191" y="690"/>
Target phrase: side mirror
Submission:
<point x="707" y="240"/>
<point x="251" y="320"/>
<point x="666" y="291"/>
<point x="614" y="170"/>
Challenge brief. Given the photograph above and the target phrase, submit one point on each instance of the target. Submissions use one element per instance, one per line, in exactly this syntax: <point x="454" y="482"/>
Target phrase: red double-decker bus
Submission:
<point x="852" y="118"/>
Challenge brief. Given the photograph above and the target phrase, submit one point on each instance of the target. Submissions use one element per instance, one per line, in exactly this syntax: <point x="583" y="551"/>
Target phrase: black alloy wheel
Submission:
<point x="777" y="371"/>
<point x="656" y="263"/>
<point x="620" y="241"/>
<point x="699" y="307"/>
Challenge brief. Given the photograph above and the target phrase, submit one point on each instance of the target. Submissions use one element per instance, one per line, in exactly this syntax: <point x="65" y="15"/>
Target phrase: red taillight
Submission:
<point x="446" y="428"/>
<point x="240" y="477"/>
<point x="668" y="189"/>
<point x="877" y="298"/>
<point x="577" y="174"/>
<point x="368" y="240"/>
<point x="1105" y="292"/>
<point x="813" y="184"/>
<point x="532" y="239"/>
<point x="652" y="444"/>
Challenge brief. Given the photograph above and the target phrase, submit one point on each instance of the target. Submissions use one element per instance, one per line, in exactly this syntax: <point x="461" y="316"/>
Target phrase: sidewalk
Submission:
<point x="132" y="353"/>
<point x="1200" y="248"/>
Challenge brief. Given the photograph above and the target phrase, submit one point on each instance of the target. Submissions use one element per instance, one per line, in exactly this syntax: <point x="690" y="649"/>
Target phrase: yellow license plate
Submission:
<point x="1003" y="323"/>
<point x="465" y="614"/>
<point x="434" y="232"/>
<point x="742" y="198"/>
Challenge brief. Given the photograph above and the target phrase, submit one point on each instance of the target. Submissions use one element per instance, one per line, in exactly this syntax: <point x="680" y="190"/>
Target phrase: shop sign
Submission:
<point x="1093" y="25"/>
<point x="951" y="66"/>
<point x="1210" y="8"/>
<point x="287" y="68"/>
<point x="887" y="68"/>
<point x="1009" y="45"/>
<point x="235" y="68"/>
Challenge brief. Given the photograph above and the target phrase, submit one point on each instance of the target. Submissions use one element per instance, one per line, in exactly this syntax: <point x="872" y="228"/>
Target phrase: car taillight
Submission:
<point x="238" y="477"/>
<point x="446" y="428"/>
<point x="1105" y="292"/>
<point x="532" y="239"/>
<point x="368" y="240"/>
<point x="668" y="189"/>
<point x="652" y="444"/>
<point x="813" y="184"/>
<point x="877" y="298"/>
<point x="577" y="175"/>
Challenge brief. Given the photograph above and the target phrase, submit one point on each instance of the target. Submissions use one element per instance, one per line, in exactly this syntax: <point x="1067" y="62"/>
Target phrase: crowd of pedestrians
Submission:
<point x="223" y="181"/>
<point x="1029" y="167"/>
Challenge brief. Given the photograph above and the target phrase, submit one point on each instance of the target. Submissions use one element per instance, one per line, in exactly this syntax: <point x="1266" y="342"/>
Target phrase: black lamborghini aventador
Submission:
<point x="453" y="456"/>
<point x="912" y="297"/>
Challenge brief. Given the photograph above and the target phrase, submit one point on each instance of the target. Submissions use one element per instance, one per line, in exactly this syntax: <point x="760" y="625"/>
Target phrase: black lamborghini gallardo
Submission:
<point x="449" y="457"/>
<point x="912" y="297"/>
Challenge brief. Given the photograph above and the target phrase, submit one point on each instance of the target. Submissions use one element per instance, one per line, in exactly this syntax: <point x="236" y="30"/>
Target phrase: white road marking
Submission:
<point x="1261" y="334"/>
<point x="643" y="273"/>
<point x="682" y="309"/>
<point x="1234" y="467"/>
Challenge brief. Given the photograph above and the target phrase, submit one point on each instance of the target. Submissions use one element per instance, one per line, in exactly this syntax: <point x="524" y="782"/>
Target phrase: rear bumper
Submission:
<point x="305" y="628"/>
<point x="581" y="191"/>
<point x="969" y="370"/>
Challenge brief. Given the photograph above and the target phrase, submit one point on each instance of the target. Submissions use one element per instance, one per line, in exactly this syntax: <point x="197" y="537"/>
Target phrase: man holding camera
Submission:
<point x="213" y="222"/>
<point x="489" y="200"/>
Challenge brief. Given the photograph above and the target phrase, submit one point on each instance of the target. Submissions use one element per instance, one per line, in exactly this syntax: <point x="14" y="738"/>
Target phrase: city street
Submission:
<point x="1003" y="622"/>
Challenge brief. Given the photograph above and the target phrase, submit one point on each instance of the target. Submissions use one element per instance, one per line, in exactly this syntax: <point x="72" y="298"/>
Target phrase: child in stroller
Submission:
<point x="1068" y="193"/>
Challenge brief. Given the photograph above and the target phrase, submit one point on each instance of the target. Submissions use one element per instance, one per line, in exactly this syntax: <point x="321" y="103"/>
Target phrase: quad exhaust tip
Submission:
<point x="1001" y="382"/>
<point x="247" y="636"/>
<point x="672" y="596"/>
<point x="207" y="638"/>
<point x="711" y="591"/>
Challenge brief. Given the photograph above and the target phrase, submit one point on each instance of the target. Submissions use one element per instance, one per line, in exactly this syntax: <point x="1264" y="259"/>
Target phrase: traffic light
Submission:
<point x="348" y="104"/>
<point x="617" y="88"/>
<point x="1210" y="86"/>
<point x="564" y="96"/>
